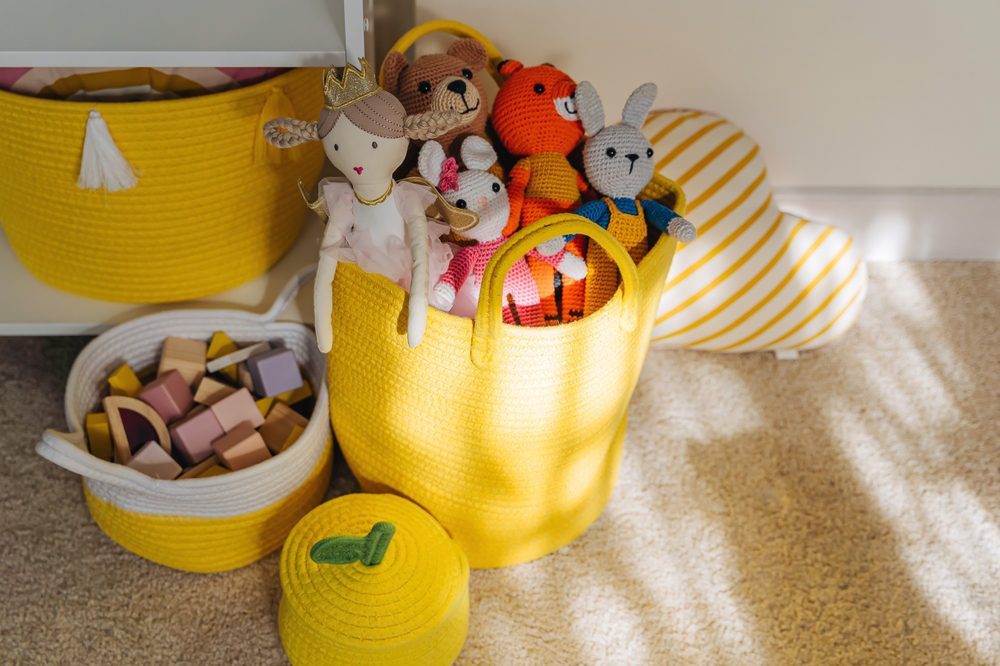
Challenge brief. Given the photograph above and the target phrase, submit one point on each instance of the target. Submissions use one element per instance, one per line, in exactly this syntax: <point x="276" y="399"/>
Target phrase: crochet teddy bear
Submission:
<point x="450" y="81"/>
<point x="476" y="189"/>
<point x="619" y="163"/>
<point x="535" y="118"/>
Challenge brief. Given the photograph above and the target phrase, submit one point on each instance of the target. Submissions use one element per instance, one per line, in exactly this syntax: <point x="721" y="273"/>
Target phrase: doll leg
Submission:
<point x="522" y="303"/>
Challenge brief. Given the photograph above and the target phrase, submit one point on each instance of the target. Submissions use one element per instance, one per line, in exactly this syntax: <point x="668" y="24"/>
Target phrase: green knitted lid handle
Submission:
<point x="369" y="550"/>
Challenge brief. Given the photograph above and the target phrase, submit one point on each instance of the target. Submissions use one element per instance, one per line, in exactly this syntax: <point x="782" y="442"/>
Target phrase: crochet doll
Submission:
<point x="373" y="221"/>
<point x="534" y="116"/>
<point x="457" y="290"/>
<point x="619" y="162"/>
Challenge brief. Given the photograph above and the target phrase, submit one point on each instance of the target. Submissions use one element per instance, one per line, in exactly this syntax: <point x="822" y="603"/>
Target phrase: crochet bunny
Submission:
<point x="619" y="163"/>
<point x="482" y="192"/>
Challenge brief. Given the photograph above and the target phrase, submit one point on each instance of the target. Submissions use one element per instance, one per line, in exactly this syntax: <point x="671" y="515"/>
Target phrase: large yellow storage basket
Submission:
<point x="214" y="207"/>
<point x="511" y="437"/>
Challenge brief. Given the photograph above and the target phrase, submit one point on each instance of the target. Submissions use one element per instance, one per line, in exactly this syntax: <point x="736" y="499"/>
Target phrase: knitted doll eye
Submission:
<point x="649" y="152"/>
<point x="610" y="152"/>
<point x="467" y="73"/>
<point x="539" y="88"/>
<point x="336" y="147"/>
<point x="496" y="187"/>
<point x="424" y="86"/>
<point x="374" y="144"/>
<point x="461" y="203"/>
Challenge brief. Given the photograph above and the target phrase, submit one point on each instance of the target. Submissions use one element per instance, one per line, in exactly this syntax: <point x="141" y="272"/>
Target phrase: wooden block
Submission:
<point x="278" y="426"/>
<point x="274" y="372"/>
<point x="185" y="356"/>
<point x="153" y="461"/>
<point x="123" y="381"/>
<point x="192" y="438"/>
<point x="297" y="395"/>
<point x="264" y="405"/>
<point x="210" y="390"/>
<point x="99" y="436"/>
<point x="237" y="356"/>
<point x="220" y="345"/>
<point x="241" y="447"/>
<point x="169" y="394"/>
<point x="236" y="408"/>
<point x="214" y="470"/>
<point x="244" y="377"/>
<point x="133" y="423"/>
<point x="293" y="435"/>
<point x="201" y="468"/>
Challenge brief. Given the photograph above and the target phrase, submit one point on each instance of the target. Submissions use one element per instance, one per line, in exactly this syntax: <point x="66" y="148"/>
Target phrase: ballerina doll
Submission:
<point x="375" y="222"/>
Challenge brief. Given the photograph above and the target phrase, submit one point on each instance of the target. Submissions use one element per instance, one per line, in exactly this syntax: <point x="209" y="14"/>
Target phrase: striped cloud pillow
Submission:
<point x="756" y="278"/>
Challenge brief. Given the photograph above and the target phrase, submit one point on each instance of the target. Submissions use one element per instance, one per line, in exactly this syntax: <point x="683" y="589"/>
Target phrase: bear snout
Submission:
<point x="455" y="94"/>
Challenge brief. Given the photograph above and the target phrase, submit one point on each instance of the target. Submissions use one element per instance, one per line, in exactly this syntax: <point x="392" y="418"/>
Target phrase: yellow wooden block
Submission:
<point x="220" y="345"/>
<point x="123" y="381"/>
<point x="296" y="395"/>
<point x="99" y="436"/>
<point x="214" y="470"/>
<point x="264" y="405"/>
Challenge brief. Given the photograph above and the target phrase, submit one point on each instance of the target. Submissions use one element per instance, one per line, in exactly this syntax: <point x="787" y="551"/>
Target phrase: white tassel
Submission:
<point x="103" y="165"/>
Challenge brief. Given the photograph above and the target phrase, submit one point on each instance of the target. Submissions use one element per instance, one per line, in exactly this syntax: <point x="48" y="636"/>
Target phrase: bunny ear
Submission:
<point x="430" y="161"/>
<point x="477" y="153"/>
<point x="589" y="107"/>
<point x="638" y="105"/>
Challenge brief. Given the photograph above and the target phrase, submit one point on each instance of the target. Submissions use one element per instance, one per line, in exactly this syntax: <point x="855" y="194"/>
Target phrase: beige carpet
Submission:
<point x="843" y="508"/>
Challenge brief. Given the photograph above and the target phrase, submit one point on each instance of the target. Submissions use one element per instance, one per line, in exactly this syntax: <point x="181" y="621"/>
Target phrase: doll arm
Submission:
<point x="596" y="211"/>
<point x="553" y="252"/>
<point x="333" y="238"/>
<point x="416" y="232"/>
<point x="668" y="221"/>
<point x="459" y="268"/>
<point x="517" y="185"/>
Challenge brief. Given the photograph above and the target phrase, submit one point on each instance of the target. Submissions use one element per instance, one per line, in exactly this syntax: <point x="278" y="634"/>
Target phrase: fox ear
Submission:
<point x="589" y="107"/>
<point x="638" y="105"/>
<point x="430" y="160"/>
<point x="509" y="67"/>
<point x="393" y="65"/>
<point x="477" y="153"/>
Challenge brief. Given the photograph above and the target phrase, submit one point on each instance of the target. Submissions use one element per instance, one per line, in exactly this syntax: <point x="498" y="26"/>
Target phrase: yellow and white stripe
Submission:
<point x="756" y="278"/>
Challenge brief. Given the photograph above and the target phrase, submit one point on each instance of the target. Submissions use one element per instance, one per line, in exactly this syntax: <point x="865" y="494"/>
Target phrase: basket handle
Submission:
<point x="68" y="451"/>
<point x="489" y="313"/>
<point x="451" y="28"/>
<point x="288" y="293"/>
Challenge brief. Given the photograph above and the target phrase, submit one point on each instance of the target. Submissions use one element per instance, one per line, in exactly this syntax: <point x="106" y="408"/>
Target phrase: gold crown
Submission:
<point x="343" y="86"/>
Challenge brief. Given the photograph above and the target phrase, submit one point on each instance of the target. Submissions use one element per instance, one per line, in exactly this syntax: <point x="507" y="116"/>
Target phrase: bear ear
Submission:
<point x="393" y="65"/>
<point x="509" y="67"/>
<point x="430" y="160"/>
<point x="638" y="105"/>
<point x="477" y="153"/>
<point x="470" y="51"/>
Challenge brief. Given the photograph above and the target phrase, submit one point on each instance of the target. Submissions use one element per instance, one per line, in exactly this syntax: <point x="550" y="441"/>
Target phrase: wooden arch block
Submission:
<point x="121" y="423"/>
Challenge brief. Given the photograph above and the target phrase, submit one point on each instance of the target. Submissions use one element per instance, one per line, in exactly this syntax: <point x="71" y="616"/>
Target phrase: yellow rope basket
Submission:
<point x="214" y="206"/>
<point x="408" y="605"/>
<point x="509" y="436"/>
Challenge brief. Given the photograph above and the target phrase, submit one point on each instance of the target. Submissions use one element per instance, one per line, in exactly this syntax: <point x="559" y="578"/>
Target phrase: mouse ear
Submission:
<point x="638" y="105"/>
<point x="509" y="67"/>
<point x="430" y="161"/>
<point x="477" y="153"/>
<point x="589" y="108"/>
<point x="393" y="65"/>
<point x="470" y="51"/>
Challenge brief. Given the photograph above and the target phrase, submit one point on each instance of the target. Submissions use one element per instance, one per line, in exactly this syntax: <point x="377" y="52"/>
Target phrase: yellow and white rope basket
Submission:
<point x="411" y="607"/>
<point x="509" y="436"/>
<point x="214" y="206"/>
<point x="212" y="524"/>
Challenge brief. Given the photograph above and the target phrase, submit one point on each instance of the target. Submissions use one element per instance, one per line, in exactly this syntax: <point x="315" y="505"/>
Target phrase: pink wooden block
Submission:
<point x="192" y="438"/>
<point x="241" y="447"/>
<point x="169" y="394"/>
<point x="237" y="408"/>
<point x="153" y="461"/>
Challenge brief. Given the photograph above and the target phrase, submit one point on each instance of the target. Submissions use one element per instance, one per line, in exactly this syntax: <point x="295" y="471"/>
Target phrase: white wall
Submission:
<point x="880" y="116"/>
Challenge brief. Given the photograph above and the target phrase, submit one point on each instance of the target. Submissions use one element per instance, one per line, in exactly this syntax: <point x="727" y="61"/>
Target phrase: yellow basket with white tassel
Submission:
<point x="154" y="201"/>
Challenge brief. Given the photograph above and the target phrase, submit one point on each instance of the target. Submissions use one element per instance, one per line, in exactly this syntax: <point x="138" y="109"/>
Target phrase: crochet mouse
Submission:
<point x="534" y="116"/>
<point x="619" y="163"/>
<point x="476" y="189"/>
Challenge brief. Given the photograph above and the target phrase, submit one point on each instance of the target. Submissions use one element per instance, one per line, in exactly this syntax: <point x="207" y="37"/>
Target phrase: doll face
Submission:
<point x="364" y="158"/>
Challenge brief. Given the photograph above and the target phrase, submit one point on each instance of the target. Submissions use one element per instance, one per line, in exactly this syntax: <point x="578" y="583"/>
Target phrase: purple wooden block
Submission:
<point x="192" y="438"/>
<point x="169" y="394"/>
<point x="274" y="372"/>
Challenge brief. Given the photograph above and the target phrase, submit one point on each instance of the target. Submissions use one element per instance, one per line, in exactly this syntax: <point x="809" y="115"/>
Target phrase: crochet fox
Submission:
<point x="535" y="118"/>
